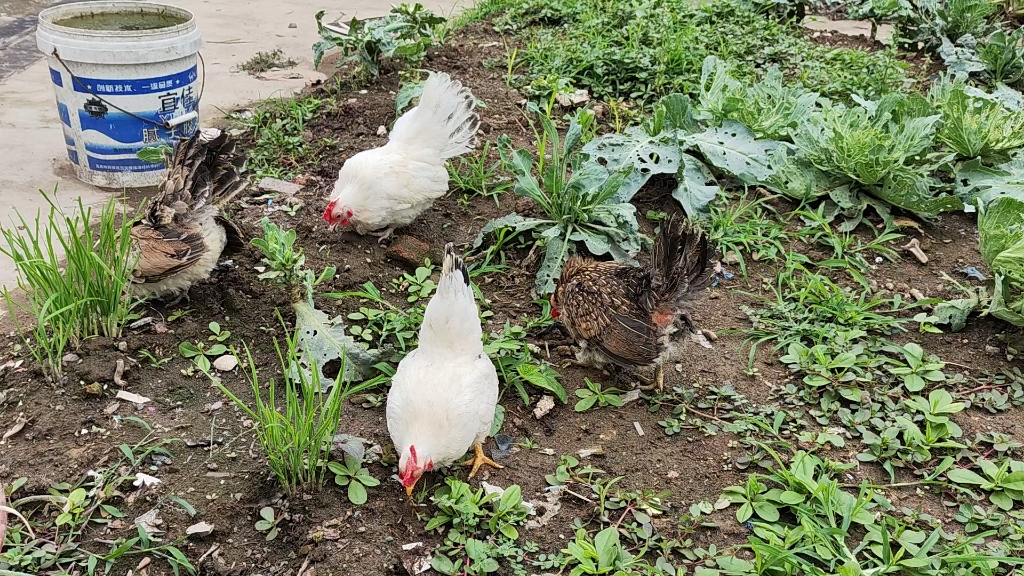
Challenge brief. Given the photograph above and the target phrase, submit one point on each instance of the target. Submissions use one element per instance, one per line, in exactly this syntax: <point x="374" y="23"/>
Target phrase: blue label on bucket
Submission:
<point x="55" y="76"/>
<point x="123" y="87"/>
<point x="65" y="117"/>
<point x="73" y="156"/>
<point x="113" y="139"/>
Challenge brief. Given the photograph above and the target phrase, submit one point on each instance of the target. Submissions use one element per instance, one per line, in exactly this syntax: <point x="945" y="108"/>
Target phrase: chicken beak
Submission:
<point x="408" y="489"/>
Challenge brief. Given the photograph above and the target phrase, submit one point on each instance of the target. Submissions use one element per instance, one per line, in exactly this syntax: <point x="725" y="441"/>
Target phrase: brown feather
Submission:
<point x="164" y="251"/>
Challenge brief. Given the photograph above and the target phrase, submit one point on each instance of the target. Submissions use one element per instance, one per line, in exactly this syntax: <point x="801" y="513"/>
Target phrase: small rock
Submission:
<point x="225" y="363"/>
<point x="991" y="349"/>
<point x="503" y="441"/>
<point x="122" y="346"/>
<point x="408" y="250"/>
<point x="278" y="186"/>
<point x="544" y="405"/>
<point x="577" y="98"/>
<point x="293" y="25"/>
<point x="672" y="474"/>
<point x="212" y="466"/>
<point x="70" y="358"/>
<point x="382" y="131"/>
<point x="588" y="452"/>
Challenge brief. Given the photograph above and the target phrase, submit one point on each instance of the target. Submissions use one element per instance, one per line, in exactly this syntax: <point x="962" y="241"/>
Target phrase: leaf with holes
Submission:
<point x="733" y="148"/>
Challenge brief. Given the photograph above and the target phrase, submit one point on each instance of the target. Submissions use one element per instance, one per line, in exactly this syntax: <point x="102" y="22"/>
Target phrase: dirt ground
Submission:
<point x="217" y="464"/>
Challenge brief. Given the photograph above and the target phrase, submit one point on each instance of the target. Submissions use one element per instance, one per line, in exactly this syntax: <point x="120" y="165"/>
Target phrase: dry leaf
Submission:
<point x="18" y="427"/>
<point x="200" y="529"/>
<point x="150" y="522"/>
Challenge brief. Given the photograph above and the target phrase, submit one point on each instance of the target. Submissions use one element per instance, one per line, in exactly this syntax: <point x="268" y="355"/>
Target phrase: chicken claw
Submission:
<point x="181" y="297"/>
<point x="656" y="383"/>
<point x="382" y="236"/>
<point x="479" y="459"/>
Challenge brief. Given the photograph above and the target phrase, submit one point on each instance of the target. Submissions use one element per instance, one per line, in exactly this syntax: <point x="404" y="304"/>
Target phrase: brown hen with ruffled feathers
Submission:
<point x="626" y="314"/>
<point x="184" y="233"/>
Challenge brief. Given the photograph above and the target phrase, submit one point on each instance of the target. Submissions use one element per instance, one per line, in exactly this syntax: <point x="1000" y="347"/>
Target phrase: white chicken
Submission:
<point x="390" y="186"/>
<point x="444" y="393"/>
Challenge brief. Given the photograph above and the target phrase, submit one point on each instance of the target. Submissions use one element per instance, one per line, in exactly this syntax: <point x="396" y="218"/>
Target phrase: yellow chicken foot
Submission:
<point x="478" y="460"/>
<point x="382" y="236"/>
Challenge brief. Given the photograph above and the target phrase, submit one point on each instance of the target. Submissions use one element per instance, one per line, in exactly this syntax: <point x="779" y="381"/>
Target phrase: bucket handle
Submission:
<point x="168" y="124"/>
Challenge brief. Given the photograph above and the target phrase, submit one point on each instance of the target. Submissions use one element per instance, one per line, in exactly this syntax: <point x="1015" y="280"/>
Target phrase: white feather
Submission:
<point x="443" y="394"/>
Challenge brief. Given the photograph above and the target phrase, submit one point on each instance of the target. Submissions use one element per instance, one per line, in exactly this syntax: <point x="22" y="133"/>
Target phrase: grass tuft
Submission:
<point x="85" y="297"/>
<point x="297" y="439"/>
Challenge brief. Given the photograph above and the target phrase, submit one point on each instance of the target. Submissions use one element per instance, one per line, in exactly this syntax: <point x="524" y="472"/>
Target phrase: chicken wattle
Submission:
<point x="444" y="393"/>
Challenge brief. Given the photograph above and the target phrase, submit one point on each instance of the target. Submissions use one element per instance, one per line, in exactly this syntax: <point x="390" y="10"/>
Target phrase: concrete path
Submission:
<point x="32" y="150"/>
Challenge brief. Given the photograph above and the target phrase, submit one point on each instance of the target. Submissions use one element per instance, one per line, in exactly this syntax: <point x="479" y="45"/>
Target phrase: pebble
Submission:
<point x="70" y="358"/>
<point x="211" y="466"/>
<point x="382" y="131"/>
<point x="225" y="363"/>
<point x="278" y="186"/>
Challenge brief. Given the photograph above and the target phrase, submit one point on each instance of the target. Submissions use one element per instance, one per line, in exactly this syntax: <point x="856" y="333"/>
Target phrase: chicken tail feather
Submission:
<point x="206" y="168"/>
<point x="681" y="255"/>
<point x="452" y="262"/>
<point x="444" y="122"/>
<point x="451" y="322"/>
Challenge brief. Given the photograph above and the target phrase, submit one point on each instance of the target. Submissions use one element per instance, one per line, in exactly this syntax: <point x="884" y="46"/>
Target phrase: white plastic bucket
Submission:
<point x="121" y="91"/>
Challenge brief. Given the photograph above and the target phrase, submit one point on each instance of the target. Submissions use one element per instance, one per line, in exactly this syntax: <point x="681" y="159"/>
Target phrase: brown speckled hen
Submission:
<point x="626" y="315"/>
<point x="184" y="233"/>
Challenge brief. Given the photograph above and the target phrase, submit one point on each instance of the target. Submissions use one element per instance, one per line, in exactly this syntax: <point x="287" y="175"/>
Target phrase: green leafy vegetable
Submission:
<point x="1001" y="237"/>
<point x="581" y="200"/>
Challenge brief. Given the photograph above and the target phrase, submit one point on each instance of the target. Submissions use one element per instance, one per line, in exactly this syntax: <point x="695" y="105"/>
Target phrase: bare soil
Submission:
<point x="219" y="467"/>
